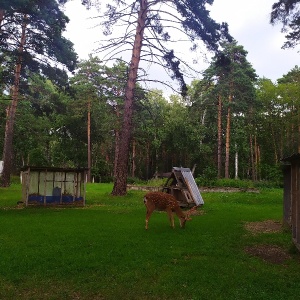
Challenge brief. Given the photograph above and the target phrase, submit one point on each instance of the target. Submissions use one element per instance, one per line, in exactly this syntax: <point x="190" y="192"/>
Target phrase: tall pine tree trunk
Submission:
<point x="252" y="151"/>
<point x="236" y="163"/>
<point x="120" y="180"/>
<point x="89" y="141"/>
<point x="1" y="17"/>
<point x="256" y="157"/>
<point x="219" y="136"/>
<point x="274" y="144"/>
<point x="298" y="140"/>
<point x="133" y="158"/>
<point x="117" y="138"/>
<point x="258" y="162"/>
<point x="227" y="143"/>
<point x="11" y="112"/>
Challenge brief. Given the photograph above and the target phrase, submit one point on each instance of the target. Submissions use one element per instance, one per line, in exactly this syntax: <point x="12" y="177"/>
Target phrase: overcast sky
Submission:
<point x="248" y="24"/>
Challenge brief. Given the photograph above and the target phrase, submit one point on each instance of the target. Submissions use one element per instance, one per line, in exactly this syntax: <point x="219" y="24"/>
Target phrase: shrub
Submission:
<point x="135" y="180"/>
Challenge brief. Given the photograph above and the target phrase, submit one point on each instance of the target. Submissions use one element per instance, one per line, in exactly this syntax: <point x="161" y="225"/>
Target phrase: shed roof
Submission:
<point x="294" y="157"/>
<point x="54" y="169"/>
<point x="191" y="184"/>
<point x="182" y="178"/>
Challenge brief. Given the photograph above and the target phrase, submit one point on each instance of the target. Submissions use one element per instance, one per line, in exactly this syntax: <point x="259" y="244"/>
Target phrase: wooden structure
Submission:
<point x="181" y="184"/>
<point x="53" y="186"/>
<point x="291" y="196"/>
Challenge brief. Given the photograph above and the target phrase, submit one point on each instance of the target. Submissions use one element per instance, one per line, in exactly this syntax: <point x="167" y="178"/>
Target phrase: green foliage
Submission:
<point x="208" y="177"/>
<point x="278" y="116"/>
<point x="156" y="182"/>
<point x="235" y="183"/>
<point x="136" y="181"/>
<point x="15" y="180"/>
<point x="102" y="251"/>
<point x="100" y="171"/>
<point x="202" y="181"/>
<point x="272" y="173"/>
<point x="37" y="157"/>
<point x="44" y="40"/>
<point x="159" y="182"/>
<point x="51" y="122"/>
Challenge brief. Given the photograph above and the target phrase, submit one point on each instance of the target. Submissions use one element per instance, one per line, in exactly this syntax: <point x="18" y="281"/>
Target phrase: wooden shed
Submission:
<point x="53" y="186"/>
<point x="181" y="184"/>
<point x="291" y="196"/>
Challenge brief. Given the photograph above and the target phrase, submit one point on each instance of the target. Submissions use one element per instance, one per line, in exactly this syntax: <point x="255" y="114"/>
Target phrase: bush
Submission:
<point x="204" y="181"/>
<point x="157" y="182"/>
<point x="135" y="180"/>
<point x="15" y="179"/>
<point x="272" y="173"/>
<point x="237" y="183"/>
<point x="105" y="179"/>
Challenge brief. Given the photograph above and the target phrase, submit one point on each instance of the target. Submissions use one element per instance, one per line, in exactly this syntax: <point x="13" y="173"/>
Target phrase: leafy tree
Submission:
<point x="268" y="124"/>
<point x="278" y="119"/>
<point x="40" y="126"/>
<point x="31" y="38"/>
<point x="289" y="93"/>
<point x="86" y="84"/>
<point x="148" y="25"/>
<point x="150" y="132"/>
<point x="165" y="133"/>
<point x="202" y="100"/>
<point x="99" y="90"/>
<point x="293" y="76"/>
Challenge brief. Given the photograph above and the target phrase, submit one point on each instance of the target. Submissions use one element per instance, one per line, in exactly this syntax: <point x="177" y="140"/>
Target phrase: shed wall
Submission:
<point x="50" y="186"/>
<point x="291" y="203"/>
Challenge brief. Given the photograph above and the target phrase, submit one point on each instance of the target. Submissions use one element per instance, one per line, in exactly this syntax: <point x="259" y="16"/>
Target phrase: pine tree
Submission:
<point x="287" y="13"/>
<point x="148" y="32"/>
<point x="31" y="36"/>
<point x="233" y="77"/>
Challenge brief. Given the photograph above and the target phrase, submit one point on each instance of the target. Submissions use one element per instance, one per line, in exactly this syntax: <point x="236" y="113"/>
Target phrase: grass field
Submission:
<point x="102" y="251"/>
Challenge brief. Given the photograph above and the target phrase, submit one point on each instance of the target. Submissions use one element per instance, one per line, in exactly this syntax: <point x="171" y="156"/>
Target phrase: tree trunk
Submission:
<point x="258" y="163"/>
<point x="298" y="140"/>
<point x="147" y="160"/>
<point x="11" y="113"/>
<point x="236" y="163"/>
<point x="256" y="158"/>
<point x="220" y="137"/>
<point x="227" y="143"/>
<point x="252" y="158"/>
<point x="133" y="159"/>
<point x="120" y="180"/>
<point x="2" y="12"/>
<point x="274" y="144"/>
<point x="89" y="141"/>
<point x="117" y="138"/>
<point x="203" y="124"/>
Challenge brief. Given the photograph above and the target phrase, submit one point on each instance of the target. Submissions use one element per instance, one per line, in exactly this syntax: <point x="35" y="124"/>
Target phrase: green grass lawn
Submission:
<point x="102" y="251"/>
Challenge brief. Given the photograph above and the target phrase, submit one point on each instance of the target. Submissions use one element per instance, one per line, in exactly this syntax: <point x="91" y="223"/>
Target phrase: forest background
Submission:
<point x="230" y="124"/>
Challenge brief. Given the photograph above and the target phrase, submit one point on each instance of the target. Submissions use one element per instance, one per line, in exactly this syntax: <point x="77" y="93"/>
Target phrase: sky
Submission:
<point x="248" y="23"/>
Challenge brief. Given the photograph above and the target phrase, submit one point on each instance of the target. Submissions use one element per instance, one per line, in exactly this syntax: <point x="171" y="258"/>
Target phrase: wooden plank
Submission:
<point x="287" y="196"/>
<point x="293" y="198"/>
